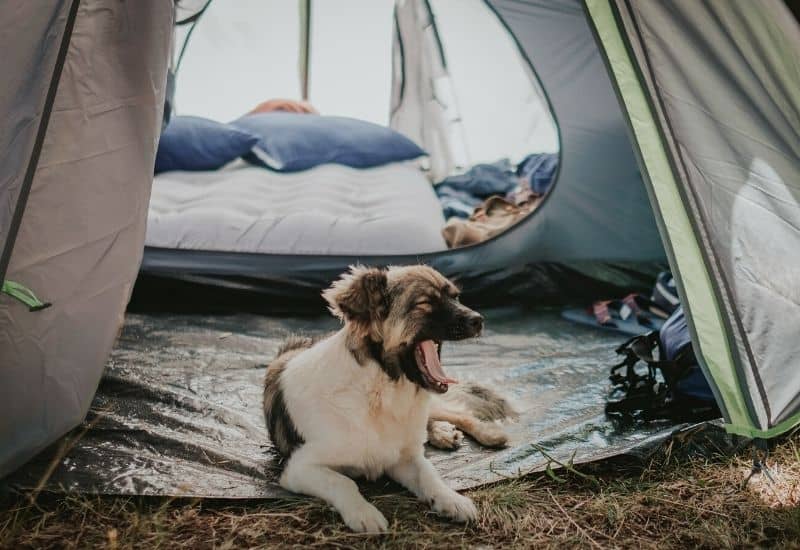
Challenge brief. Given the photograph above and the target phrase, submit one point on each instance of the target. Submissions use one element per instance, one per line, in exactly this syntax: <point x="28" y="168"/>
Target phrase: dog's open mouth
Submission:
<point x="427" y="356"/>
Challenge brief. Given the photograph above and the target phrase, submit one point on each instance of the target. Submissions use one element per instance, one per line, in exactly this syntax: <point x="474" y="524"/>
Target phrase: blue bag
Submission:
<point x="671" y="385"/>
<point x="676" y="345"/>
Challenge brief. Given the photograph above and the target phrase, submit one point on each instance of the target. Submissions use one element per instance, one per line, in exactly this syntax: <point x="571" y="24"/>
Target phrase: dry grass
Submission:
<point x="672" y="504"/>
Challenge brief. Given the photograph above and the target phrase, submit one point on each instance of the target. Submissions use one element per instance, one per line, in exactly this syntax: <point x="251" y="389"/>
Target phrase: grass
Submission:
<point x="671" y="504"/>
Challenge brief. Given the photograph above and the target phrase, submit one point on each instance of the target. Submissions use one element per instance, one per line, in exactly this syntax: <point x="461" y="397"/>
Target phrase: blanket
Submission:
<point x="460" y="195"/>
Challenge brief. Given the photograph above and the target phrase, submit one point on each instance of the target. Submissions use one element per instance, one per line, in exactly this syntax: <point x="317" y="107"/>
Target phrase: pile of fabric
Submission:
<point x="489" y="198"/>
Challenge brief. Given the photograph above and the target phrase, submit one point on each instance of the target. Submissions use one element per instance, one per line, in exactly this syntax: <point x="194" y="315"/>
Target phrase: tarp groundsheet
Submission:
<point x="178" y="410"/>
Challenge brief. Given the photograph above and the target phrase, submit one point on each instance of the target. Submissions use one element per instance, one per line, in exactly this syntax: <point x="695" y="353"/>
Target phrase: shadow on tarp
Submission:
<point x="178" y="410"/>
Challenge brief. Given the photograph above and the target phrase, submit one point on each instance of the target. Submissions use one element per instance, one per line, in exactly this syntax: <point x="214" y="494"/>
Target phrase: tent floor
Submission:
<point x="178" y="411"/>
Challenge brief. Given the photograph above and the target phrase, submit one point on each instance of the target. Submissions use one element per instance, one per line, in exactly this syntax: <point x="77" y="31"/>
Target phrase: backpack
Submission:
<point x="669" y="385"/>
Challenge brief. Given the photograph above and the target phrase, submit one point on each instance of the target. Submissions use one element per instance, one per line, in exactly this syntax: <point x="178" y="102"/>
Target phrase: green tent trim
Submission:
<point x="23" y="294"/>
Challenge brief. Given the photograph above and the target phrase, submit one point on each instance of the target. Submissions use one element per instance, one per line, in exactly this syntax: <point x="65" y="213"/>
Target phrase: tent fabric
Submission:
<point x="735" y="145"/>
<point x="30" y="36"/>
<point x="327" y="210"/>
<point x="524" y="122"/>
<point x="596" y="216"/>
<point x="683" y="250"/>
<point x="732" y="144"/>
<point x="598" y="187"/>
<point x="82" y="231"/>
<point x="422" y="104"/>
<point x="439" y="61"/>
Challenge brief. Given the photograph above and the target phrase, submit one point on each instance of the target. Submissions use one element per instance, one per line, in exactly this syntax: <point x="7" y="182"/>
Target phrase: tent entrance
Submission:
<point x="440" y="85"/>
<point x="414" y="66"/>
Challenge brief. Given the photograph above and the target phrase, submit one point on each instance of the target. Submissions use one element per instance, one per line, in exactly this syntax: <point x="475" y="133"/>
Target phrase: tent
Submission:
<point x="701" y="98"/>
<point x="82" y="107"/>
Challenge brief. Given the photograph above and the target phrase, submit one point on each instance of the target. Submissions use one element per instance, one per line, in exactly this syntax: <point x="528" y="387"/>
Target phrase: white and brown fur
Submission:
<point x="355" y="404"/>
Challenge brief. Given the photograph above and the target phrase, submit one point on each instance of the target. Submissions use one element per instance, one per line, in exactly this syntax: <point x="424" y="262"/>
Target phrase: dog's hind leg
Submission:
<point x="303" y="474"/>
<point x="473" y="409"/>
<point x="444" y="435"/>
<point x="488" y="434"/>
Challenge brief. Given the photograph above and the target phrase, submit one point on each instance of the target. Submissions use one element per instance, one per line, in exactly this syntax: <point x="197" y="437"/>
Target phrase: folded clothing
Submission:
<point x="492" y="217"/>
<point x="460" y="194"/>
<point x="193" y="143"/>
<point x="455" y="203"/>
<point x="291" y="142"/>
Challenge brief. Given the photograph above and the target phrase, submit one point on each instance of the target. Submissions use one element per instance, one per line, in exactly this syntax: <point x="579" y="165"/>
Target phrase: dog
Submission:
<point x="363" y="401"/>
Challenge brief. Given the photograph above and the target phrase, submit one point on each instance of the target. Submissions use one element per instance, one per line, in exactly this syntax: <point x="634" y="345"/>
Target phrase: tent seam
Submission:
<point x="33" y="162"/>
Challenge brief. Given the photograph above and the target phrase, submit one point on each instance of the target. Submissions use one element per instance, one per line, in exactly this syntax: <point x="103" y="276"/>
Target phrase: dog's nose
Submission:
<point x="475" y="322"/>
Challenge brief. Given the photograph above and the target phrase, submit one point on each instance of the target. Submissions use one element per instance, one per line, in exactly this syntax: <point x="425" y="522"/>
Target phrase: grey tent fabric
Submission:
<point x="82" y="232"/>
<point x="30" y="36"/>
<point x="417" y="109"/>
<point x="598" y="207"/>
<point x="725" y="78"/>
<point x="596" y="218"/>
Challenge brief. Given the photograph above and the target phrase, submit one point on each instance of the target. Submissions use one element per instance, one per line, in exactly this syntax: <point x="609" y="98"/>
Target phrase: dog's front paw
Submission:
<point x="365" y="519"/>
<point x="444" y="435"/>
<point x="455" y="506"/>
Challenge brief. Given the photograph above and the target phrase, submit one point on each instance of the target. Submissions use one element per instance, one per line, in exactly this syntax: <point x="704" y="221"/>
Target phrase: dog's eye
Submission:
<point x="423" y="304"/>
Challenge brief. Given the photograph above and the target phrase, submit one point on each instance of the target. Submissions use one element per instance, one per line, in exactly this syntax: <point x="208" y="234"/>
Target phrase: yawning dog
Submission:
<point x="363" y="401"/>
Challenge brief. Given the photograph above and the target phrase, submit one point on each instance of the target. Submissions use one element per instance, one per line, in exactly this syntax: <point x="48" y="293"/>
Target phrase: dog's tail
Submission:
<point x="483" y="403"/>
<point x="294" y="342"/>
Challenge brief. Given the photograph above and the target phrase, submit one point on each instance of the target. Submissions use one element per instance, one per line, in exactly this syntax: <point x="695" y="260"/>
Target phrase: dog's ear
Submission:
<point x="359" y="296"/>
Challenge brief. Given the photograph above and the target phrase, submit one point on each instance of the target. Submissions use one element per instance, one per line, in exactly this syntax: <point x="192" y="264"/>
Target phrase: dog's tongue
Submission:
<point x="433" y="364"/>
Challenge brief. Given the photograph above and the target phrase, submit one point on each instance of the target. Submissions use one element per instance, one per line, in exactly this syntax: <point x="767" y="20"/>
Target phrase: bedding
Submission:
<point x="291" y="142"/>
<point x="328" y="210"/>
<point x="539" y="170"/>
<point x="196" y="143"/>
<point x="461" y="194"/>
<point x="490" y="218"/>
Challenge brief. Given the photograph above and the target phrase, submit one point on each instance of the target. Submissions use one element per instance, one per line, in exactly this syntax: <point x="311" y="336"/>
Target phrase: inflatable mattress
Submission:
<point x="329" y="210"/>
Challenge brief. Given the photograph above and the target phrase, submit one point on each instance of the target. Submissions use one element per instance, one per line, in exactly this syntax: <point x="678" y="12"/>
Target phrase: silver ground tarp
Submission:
<point x="178" y="410"/>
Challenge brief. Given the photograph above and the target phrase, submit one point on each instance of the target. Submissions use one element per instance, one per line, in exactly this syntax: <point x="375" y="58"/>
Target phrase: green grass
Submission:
<point x="671" y="504"/>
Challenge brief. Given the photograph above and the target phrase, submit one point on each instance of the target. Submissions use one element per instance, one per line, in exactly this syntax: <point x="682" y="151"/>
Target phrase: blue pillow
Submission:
<point x="290" y="142"/>
<point x="195" y="143"/>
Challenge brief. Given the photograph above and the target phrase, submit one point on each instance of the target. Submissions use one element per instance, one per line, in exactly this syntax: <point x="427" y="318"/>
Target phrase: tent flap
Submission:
<point x="81" y="237"/>
<point x="712" y="91"/>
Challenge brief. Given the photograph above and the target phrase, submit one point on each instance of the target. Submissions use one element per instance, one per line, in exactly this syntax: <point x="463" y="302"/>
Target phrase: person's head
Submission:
<point x="284" y="105"/>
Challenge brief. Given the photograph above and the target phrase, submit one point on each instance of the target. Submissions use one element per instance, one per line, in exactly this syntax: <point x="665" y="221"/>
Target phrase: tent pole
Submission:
<point x="305" y="46"/>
